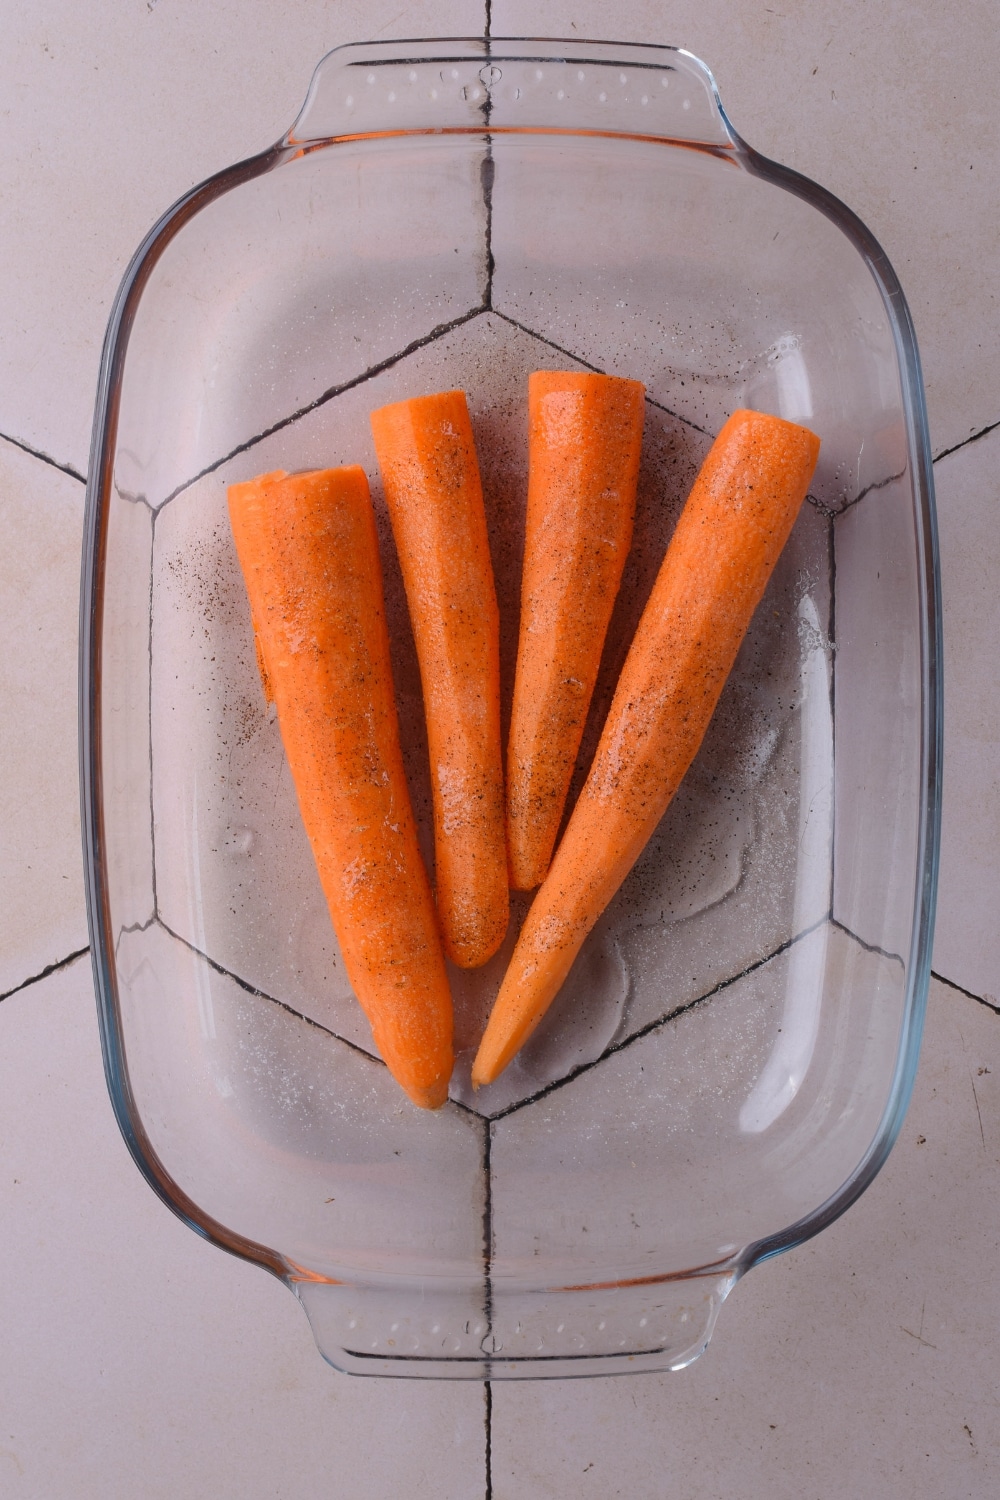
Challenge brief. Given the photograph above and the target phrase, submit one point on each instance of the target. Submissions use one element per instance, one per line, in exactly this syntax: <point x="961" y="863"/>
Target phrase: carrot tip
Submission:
<point x="432" y="1098"/>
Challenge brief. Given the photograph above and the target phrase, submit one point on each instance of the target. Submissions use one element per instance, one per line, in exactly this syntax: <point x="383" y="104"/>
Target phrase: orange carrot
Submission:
<point x="427" y="456"/>
<point x="584" y="442"/>
<point x="309" y="553"/>
<point x="736" y="521"/>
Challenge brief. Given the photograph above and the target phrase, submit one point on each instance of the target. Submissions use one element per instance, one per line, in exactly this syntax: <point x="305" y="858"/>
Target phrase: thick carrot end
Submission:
<point x="796" y="440"/>
<point x="540" y="382"/>
<point x="416" y="414"/>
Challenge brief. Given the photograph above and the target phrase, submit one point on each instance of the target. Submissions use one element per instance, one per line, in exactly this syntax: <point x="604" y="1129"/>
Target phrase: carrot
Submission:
<point x="584" y="442"/>
<point x="736" y="521"/>
<point x="309" y="552"/>
<point x="427" y="456"/>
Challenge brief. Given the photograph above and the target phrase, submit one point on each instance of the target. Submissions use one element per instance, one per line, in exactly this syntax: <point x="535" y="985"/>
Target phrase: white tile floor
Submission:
<point x="139" y="1361"/>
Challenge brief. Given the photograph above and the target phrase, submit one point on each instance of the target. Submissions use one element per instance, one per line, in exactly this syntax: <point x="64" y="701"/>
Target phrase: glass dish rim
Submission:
<point x="98" y="490"/>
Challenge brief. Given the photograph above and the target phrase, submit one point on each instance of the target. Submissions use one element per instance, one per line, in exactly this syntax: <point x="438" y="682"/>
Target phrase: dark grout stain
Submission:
<point x="974" y="438"/>
<point x="989" y="1001"/>
<point x="44" y="458"/>
<point x="60" y="963"/>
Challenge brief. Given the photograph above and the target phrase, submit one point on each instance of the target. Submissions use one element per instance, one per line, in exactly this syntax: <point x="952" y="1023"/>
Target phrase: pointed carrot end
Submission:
<point x="431" y="1097"/>
<point x="495" y="1052"/>
<point x="481" y="1075"/>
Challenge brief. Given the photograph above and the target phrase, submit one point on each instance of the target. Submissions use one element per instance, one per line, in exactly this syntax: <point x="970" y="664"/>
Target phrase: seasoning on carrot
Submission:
<point x="309" y="552"/>
<point x="584" y="442"/>
<point x="427" y="456"/>
<point x="736" y="521"/>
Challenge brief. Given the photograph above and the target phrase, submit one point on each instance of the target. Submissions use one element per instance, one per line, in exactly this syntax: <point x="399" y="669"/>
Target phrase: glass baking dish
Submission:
<point x="730" y="1060"/>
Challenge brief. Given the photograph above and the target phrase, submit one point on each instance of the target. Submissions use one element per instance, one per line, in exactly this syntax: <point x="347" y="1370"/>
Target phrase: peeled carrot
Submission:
<point x="427" y="456"/>
<point x="309" y="552"/>
<point x="729" y="537"/>
<point x="584" y="443"/>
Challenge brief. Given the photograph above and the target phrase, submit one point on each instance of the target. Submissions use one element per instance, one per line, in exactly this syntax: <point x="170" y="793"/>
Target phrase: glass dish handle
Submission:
<point x="620" y="88"/>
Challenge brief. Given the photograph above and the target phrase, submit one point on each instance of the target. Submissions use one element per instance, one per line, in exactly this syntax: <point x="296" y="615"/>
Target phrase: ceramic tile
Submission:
<point x="139" y="1360"/>
<point x="111" y="112"/>
<point x="285" y="1134"/>
<point x="42" y="915"/>
<point x="967" y="942"/>
<point x="889" y="109"/>
<point x="719" y="887"/>
<point x="857" y="1364"/>
<point x="878" y="724"/>
<point x="719" y="1128"/>
<point x="791" y="323"/>
<point x="305" y="298"/>
<point x="149" y="1363"/>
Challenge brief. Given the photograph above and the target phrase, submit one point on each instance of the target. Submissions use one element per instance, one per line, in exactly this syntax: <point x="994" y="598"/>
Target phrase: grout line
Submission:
<point x="587" y="365"/>
<point x="131" y="499"/>
<point x="487" y="175"/>
<point x="133" y="927"/>
<point x="45" y="458"/>
<point x="868" y="947"/>
<point x="251" y="989"/>
<point x="831" y="631"/>
<point x="489" y="20"/>
<point x="651" y="401"/>
<point x="60" y="963"/>
<point x="149" y="713"/>
<point x="662" y="1021"/>
<point x="549" y="343"/>
<point x="876" y="484"/>
<point x="329" y="395"/>
<point x="983" y="432"/>
<point x="990" y="1002"/>
<point x="487" y="1342"/>
<point x="487" y="1238"/>
<point x="258" y="994"/>
<point x="488" y="1394"/>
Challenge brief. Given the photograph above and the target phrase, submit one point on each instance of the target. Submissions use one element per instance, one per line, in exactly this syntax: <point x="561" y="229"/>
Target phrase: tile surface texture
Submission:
<point x="138" y="1359"/>
<point x="110" y="112"/>
<point x="861" y="1363"/>
<point x="41" y="890"/>
<point x="150" y="1364"/>
<point x="888" y="106"/>
<point x="967" y="938"/>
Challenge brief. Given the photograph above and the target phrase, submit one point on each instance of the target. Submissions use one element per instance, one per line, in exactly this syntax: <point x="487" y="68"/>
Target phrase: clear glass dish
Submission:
<point x="730" y="1060"/>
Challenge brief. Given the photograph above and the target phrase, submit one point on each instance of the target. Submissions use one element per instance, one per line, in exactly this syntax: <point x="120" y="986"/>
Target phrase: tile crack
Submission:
<point x="60" y="963"/>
